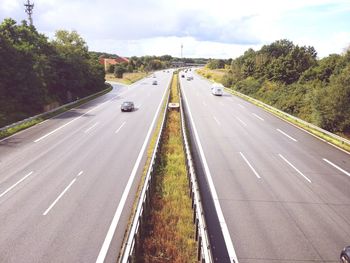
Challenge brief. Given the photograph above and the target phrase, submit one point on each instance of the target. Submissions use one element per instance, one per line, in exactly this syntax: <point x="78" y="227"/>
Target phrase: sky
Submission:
<point x="205" y="28"/>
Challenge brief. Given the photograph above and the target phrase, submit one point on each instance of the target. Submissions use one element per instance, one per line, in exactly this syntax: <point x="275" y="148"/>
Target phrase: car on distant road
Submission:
<point x="127" y="106"/>
<point x="154" y="82"/>
<point x="182" y="76"/>
<point x="190" y="78"/>
<point x="345" y="255"/>
<point x="217" y="89"/>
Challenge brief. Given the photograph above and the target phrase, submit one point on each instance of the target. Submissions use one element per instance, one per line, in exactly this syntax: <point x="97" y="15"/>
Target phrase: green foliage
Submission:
<point x="290" y="78"/>
<point x="332" y="104"/>
<point x="35" y="72"/>
<point x="215" y="64"/>
<point x="119" y="70"/>
<point x="248" y="86"/>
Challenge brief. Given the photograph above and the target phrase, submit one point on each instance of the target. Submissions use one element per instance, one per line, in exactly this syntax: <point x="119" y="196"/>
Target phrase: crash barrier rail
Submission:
<point x="285" y="115"/>
<point x="47" y="113"/>
<point x="132" y="244"/>
<point x="202" y="238"/>
<point x="130" y="249"/>
<point x="297" y="120"/>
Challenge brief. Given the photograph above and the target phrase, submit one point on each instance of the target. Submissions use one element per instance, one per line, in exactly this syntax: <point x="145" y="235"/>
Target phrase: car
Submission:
<point x="190" y="78"/>
<point x="153" y="76"/>
<point x="345" y="255"/>
<point x="182" y="76"/>
<point x="154" y="82"/>
<point x="217" y="89"/>
<point x="127" y="106"/>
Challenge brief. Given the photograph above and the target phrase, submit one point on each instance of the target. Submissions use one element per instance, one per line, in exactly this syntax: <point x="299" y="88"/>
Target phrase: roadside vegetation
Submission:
<point x="33" y="121"/>
<point x="37" y="74"/>
<point x="128" y="78"/>
<point x="170" y="232"/>
<point x="212" y="74"/>
<point x="292" y="79"/>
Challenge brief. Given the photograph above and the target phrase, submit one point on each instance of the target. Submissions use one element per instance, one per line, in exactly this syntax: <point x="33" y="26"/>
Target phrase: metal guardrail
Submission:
<point x="135" y="233"/>
<point x="204" y="252"/>
<point x="50" y="111"/>
<point x="134" y="237"/>
<point x="305" y="123"/>
<point x="273" y="109"/>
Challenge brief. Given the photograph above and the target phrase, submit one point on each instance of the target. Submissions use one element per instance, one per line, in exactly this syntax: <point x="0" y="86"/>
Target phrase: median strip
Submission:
<point x="169" y="230"/>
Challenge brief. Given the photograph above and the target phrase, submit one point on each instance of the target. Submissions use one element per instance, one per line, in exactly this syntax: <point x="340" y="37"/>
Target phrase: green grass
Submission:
<point x="213" y="75"/>
<point x="25" y="125"/>
<point x="128" y="78"/>
<point x="170" y="232"/>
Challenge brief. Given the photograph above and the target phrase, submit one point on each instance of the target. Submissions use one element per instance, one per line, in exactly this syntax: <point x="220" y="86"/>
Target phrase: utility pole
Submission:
<point x="29" y="10"/>
<point x="181" y="50"/>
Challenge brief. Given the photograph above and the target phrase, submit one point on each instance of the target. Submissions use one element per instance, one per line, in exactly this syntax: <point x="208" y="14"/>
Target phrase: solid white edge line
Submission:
<point x="59" y="197"/>
<point x="226" y="233"/>
<point x="251" y="167"/>
<point x="244" y="124"/>
<point x="300" y="128"/>
<point x="14" y="185"/>
<point x="337" y="167"/>
<point x="64" y="125"/>
<point x="93" y="126"/>
<point x="285" y="134"/>
<point x="108" y="239"/>
<point x="257" y="116"/>
<point x="121" y="126"/>
<point x="296" y="169"/>
<point x="80" y="173"/>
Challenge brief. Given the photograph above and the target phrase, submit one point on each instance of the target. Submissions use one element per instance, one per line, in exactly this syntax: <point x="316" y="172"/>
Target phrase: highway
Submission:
<point x="67" y="185"/>
<point x="281" y="194"/>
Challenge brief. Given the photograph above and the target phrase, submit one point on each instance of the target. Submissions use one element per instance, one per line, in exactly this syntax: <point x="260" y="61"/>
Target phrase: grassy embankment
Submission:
<point x="213" y="75"/>
<point x="216" y="75"/>
<point x="170" y="232"/>
<point x="128" y="78"/>
<point x="28" y="124"/>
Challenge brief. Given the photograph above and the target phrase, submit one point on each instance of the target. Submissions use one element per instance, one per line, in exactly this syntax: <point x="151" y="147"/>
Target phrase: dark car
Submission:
<point x="345" y="255"/>
<point x="154" y="82"/>
<point x="127" y="106"/>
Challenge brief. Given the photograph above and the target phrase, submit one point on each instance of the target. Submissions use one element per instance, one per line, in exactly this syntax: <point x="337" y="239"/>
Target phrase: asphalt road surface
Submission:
<point x="284" y="194"/>
<point x="67" y="185"/>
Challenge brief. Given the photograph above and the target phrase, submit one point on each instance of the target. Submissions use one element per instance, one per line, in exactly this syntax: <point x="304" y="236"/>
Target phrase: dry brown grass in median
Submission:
<point x="170" y="230"/>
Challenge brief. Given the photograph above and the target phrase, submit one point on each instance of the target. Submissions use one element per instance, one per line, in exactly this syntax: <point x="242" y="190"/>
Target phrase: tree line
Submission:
<point x="145" y="63"/>
<point x="291" y="78"/>
<point x="36" y="74"/>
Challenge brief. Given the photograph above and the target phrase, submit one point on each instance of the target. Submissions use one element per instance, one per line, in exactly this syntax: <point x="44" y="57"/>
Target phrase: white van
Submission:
<point x="217" y="89"/>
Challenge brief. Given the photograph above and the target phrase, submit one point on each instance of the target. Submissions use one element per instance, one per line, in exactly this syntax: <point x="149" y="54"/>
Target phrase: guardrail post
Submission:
<point x="194" y="213"/>
<point x="199" y="255"/>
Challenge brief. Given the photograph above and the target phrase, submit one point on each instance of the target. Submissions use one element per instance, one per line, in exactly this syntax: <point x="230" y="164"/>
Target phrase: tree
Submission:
<point x="119" y="70"/>
<point x="35" y="72"/>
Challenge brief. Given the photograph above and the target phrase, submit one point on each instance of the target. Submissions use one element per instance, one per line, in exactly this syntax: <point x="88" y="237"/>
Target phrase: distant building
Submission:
<point x="112" y="61"/>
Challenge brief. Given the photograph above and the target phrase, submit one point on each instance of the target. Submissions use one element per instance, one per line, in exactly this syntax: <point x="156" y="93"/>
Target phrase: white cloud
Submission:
<point x="208" y="28"/>
<point x="8" y="5"/>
